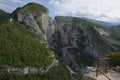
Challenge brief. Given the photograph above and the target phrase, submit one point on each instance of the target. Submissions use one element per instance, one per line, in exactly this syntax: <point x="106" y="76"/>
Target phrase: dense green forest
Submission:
<point x="21" y="48"/>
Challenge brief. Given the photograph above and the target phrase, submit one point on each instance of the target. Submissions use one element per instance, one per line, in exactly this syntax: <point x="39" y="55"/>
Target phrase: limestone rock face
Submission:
<point x="39" y="22"/>
<point x="102" y="32"/>
<point x="29" y="20"/>
<point x="37" y="19"/>
<point x="77" y="41"/>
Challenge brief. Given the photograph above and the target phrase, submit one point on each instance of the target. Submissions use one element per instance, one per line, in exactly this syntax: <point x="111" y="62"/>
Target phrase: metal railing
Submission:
<point x="103" y="67"/>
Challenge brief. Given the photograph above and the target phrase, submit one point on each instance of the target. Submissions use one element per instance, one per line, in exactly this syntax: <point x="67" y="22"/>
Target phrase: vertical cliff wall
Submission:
<point x="77" y="41"/>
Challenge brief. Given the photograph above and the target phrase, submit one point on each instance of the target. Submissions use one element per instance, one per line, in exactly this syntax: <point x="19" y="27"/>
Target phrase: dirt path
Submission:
<point x="101" y="77"/>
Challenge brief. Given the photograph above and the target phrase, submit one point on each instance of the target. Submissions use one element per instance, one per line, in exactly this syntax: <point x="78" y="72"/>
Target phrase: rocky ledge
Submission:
<point x="33" y="70"/>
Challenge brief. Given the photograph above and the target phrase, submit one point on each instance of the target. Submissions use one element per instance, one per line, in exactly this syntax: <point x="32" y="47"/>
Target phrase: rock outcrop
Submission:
<point x="33" y="70"/>
<point x="37" y="19"/>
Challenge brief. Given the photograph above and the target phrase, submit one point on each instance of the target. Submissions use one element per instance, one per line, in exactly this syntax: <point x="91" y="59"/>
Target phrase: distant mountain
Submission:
<point x="2" y="12"/>
<point x="115" y="32"/>
<point x="103" y="23"/>
<point x="3" y="15"/>
<point x="118" y="26"/>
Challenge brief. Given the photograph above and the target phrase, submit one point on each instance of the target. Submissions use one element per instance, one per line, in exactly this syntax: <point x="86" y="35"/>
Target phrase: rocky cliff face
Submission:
<point x="37" y="18"/>
<point x="76" y="41"/>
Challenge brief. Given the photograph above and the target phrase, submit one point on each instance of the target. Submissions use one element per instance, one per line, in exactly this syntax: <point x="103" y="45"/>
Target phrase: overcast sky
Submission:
<point x="105" y="10"/>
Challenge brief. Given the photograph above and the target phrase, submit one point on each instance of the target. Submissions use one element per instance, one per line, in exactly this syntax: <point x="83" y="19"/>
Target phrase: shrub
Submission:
<point x="115" y="59"/>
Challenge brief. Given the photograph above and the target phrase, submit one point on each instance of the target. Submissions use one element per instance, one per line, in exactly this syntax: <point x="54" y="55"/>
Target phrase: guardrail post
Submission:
<point x="97" y="67"/>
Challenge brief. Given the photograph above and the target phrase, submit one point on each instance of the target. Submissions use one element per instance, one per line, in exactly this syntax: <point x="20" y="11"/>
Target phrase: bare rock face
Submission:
<point x="29" y="20"/>
<point x="77" y="43"/>
<point x="37" y="19"/>
<point x="102" y="32"/>
<point x="38" y="22"/>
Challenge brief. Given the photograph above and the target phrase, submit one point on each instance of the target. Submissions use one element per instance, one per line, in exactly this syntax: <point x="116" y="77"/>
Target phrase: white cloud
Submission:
<point x="15" y="1"/>
<point x="55" y="2"/>
<point x="107" y="10"/>
<point x="7" y="6"/>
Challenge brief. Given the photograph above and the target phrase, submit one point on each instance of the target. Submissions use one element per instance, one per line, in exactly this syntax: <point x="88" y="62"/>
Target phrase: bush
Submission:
<point x="115" y="59"/>
<point x="91" y="78"/>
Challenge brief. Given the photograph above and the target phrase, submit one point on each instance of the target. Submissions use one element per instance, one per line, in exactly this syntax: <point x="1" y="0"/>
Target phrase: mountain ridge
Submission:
<point x="3" y="15"/>
<point x="103" y="23"/>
